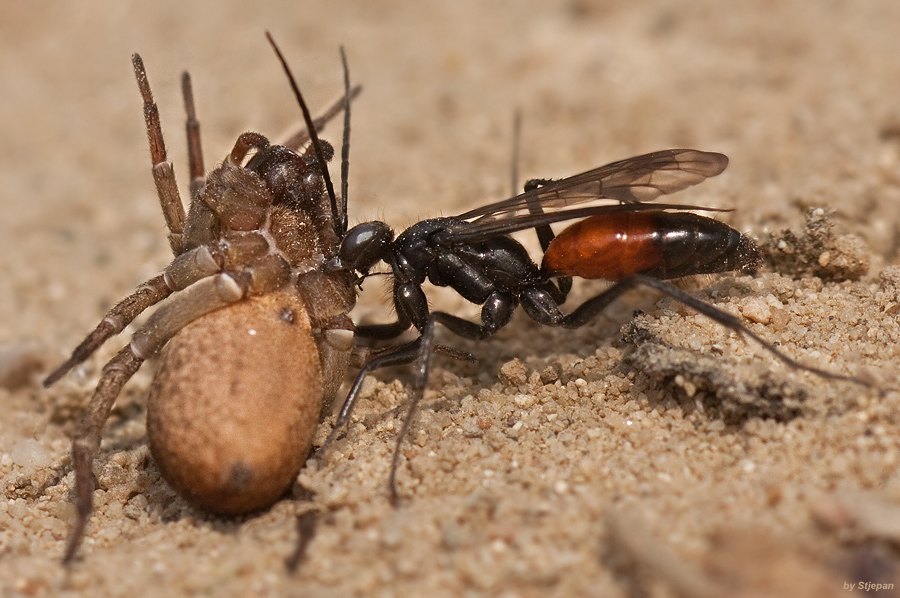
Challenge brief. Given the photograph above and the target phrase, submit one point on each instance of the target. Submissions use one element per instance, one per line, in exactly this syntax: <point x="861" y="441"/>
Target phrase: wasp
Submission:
<point x="632" y="243"/>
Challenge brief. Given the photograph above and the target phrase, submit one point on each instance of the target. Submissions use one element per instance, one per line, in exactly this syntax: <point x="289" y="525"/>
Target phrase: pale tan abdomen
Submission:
<point x="235" y="404"/>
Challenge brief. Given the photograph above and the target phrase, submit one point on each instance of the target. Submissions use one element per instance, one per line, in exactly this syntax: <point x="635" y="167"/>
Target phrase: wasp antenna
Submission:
<point x="516" y="139"/>
<point x="345" y="146"/>
<point x="311" y="127"/>
<point x="544" y="232"/>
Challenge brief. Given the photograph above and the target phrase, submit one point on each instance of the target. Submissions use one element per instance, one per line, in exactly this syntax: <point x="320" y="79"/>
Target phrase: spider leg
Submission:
<point x="163" y="173"/>
<point x="87" y="440"/>
<point x="199" y="299"/>
<point x="202" y="297"/>
<point x="186" y="269"/>
<point x="120" y="316"/>
<point x="160" y="287"/>
<point x="245" y="142"/>
<point x="301" y="137"/>
<point x="192" y="128"/>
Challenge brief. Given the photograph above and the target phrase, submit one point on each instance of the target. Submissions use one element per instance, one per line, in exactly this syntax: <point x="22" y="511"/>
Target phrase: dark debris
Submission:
<point x="708" y="380"/>
<point x="817" y="251"/>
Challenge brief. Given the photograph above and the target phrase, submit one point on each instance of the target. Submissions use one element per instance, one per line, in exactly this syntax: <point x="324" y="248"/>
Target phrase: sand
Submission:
<point x="656" y="456"/>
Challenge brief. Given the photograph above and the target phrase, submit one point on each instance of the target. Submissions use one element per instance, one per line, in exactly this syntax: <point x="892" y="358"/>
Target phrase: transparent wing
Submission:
<point x="484" y="229"/>
<point x="632" y="180"/>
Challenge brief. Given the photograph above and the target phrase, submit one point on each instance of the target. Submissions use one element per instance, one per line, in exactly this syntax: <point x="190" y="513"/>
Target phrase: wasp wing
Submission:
<point x="632" y="180"/>
<point x="485" y="229"/>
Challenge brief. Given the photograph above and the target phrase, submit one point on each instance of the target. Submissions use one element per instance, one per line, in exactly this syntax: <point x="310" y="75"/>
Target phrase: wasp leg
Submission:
<point x="590" y="308"/>
<point x="400" y="356"/>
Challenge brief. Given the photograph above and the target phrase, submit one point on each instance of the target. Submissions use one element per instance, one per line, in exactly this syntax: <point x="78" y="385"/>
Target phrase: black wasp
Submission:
<point x="631" y="243"/>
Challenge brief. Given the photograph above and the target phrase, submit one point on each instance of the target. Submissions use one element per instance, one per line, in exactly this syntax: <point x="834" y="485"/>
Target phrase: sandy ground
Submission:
<point x="675" y="460"/>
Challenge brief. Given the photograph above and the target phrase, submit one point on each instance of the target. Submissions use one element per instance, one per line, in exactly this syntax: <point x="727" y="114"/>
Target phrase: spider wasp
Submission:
<point x="631" y="243"/>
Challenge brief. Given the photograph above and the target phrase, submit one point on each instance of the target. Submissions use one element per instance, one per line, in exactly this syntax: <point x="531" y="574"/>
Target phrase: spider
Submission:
<point x="254" y="335"/>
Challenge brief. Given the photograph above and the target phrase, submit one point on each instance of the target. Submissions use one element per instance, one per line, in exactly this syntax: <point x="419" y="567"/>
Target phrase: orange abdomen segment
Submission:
<point x="611" y="247"/>
<point x="656" y="243"/>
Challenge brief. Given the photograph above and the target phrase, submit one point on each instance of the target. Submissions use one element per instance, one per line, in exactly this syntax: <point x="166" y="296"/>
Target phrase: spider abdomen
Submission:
<point x="235" y="403"/>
